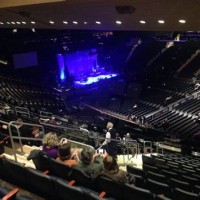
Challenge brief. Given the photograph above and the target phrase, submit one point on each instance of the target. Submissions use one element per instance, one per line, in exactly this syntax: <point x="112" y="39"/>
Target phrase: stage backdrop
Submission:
<point x="81" y="62"/>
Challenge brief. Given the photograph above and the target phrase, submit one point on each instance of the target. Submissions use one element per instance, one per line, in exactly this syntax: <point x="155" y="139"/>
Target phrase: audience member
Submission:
<point x="110" y="145"/>
<point x="37" y="133"/>
<point x="90" y="162"/>
<point x="50" y="144"/>
<point x="111" y="170"/>
<point x="65" y="154"/>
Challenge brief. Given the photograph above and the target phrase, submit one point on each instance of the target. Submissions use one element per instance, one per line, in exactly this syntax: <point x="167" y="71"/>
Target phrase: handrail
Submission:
<point x="40" y="139"/>
<point x="79" y="143"/>
<point x="13" y="124"/>
<point x="11" y="139"/>
<point x="59" y="126"/>
<point x="20" y="138"/>
<point x="45" y="114"/>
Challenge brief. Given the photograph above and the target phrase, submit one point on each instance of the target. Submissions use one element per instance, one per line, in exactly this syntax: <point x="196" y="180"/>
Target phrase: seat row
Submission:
<point x="41" y="184"/>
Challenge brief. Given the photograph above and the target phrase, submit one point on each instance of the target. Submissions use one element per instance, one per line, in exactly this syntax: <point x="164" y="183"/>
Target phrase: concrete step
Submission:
<point x="21" y="159"/>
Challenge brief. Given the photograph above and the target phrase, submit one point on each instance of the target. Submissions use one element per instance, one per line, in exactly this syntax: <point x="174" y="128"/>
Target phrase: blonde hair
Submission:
<point x="50" y="140"/>
<point x="109" y="125"/>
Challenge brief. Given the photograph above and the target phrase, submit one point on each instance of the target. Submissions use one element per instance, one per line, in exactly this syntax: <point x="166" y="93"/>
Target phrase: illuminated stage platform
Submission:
<point x="94" y="78"/>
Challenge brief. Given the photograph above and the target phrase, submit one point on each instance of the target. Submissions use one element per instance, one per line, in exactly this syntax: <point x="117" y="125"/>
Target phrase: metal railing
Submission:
<point x="16" y="125"/>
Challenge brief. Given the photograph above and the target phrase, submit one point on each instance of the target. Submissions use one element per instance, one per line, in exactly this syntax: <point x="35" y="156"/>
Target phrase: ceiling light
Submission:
<point x="33" y="30"/>
<point x="85" y="22"/>
<point x="15" y="30"/>
<point x="12" y="22"/>
<point x="23" y="22"/>
<point x="142" y="22"/>
<point x="118" y="22"/>
<point x="1" y="23"/>
<point x="75" y="22"/>
<point x="18" y="23"/>
<point x="65" y="22"/>
<point x="32" y="22"/>
<point x="182" y="21"/>
<point x="98" y="22"/>
<point x="8" y="22"/>
<point x="51" y="22"/>
<point x="161" y="21"/>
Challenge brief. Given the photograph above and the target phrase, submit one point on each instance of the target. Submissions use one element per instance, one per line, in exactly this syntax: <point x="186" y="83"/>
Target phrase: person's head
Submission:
<point x="87" y="156"/>
<point x="109" y="125"/>
<point x="50" y="140"/>
<point x="110" y="164"/>
<point x="64" y="151"/>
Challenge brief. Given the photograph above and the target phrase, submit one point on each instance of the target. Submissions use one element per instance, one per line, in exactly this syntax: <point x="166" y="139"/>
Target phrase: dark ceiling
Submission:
<point x="101" y="14"/>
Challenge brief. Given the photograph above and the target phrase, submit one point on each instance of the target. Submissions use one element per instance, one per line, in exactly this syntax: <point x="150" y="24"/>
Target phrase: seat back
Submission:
<point x="136" y="193"/>
<point x="160" y="162"/>
<point x="174" y="183"/>
<point x="40" y="159"/>
<point x="2" y="167"/>
<point x="156" y="176"/>
<point x="81" y="178"/>
<point x="139" y="181"/>
<point x="161" y="197"/>
<point x="148" y="160"/>
<point x="133" y="170"/>
<point x="158" y="187"/>
<point x="41" y="184"/>
<point x="180" y="194"/>
<point x="64" y="191"/>
<point x="147" y="168"/>
<point x="111" y="187"/>
<point x="16" y="173"/>
<point x="169" y="174"/>
<point x="59" y="169"/>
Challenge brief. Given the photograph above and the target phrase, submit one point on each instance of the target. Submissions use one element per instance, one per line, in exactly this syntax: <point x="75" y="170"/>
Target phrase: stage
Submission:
<point x="93" y="78"/>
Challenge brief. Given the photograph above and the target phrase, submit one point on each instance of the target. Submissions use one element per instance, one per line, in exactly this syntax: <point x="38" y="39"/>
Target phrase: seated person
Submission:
<point x="50" y="144"/>
<point x="36" y="133"/>
<point x="89" y="164"/>
<point x="65" y="154"/>
<point x="111" y="170"/>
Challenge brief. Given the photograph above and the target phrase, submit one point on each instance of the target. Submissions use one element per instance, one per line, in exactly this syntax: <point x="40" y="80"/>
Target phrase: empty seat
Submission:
<point x="158" y="187"/>
<point x="139" y="181"/>
<point x="147" y="168"/>
<point x="161" y="197"/>
<point x="134" y="170"/>
<point x="156" y="176"/>
<point x="191" y="180"/>
<point x="148" y="160"/>
<point x="15" y="173"/>
<point x="65" y="191"/>
<point x="160" y="162"/>
<point x="136" y="193"/>
<point x="175" y="183"/>
<point x="179" y="194"/>
<point x="169" y="174"/>
<point x="41" y="184"/>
